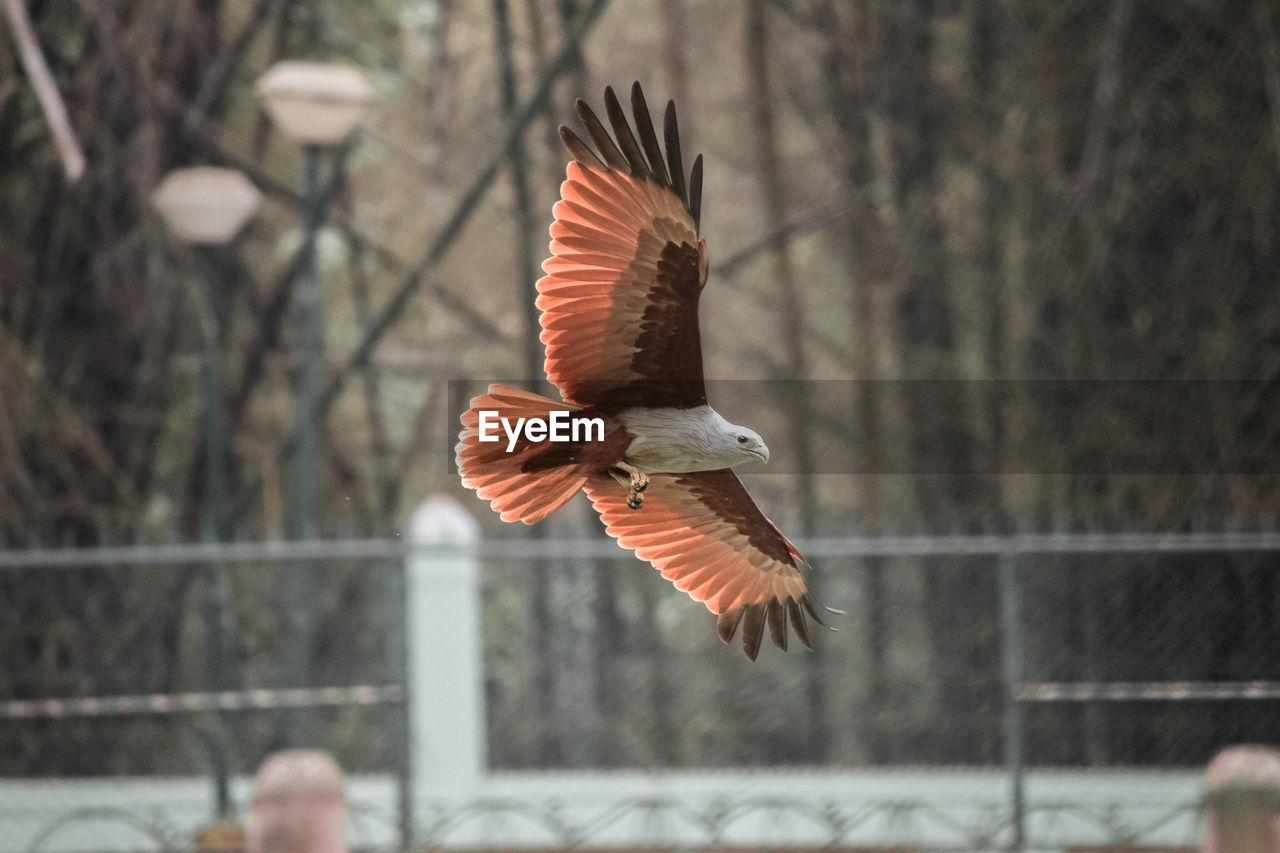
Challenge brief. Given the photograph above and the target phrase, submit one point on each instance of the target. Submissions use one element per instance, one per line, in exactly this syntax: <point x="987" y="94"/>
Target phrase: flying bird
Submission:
<point x="619" y="305"/>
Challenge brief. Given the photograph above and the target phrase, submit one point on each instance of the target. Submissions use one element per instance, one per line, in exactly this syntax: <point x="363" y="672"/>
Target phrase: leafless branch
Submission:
<point x="55" y="111"/>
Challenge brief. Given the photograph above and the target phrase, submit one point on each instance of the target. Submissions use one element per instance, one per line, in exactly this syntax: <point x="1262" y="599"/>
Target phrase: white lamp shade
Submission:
<point x="206" y="204"/>
<point x="314" y="103"/>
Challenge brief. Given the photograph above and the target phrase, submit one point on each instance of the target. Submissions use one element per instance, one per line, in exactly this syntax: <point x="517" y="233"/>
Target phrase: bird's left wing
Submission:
<point x="619" y="300"/>
<point x="706" y="535"/>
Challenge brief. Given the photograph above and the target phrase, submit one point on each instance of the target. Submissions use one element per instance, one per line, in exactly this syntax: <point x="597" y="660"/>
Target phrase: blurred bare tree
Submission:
<point x="986" y="192"/>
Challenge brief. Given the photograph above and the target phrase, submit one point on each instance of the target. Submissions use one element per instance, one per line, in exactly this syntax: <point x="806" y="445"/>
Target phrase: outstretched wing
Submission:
<point x="706" y="535"/>
<point x="619" y="300"/>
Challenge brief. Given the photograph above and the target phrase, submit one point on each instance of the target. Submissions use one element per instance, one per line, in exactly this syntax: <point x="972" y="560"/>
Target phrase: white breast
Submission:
<point x="677" y="441"/>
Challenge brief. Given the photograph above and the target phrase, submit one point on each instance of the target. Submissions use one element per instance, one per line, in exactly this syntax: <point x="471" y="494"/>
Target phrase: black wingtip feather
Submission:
<point x="638" y="152"/>
<point x="753" y="630"/>
<point x="777" y="615"/>
<point x="671" y="137"/>
<point x="808" y="605"/>
<point x="648" y="138"/>
<point x="580" y="150"/>
<point x="695" y="193"/>
<point x="604" y="143"/>
<point x="727" y="623"/>
<point x="626" y="139"/>
<point x="777" y="623"/>
<point x="798" y="623"/>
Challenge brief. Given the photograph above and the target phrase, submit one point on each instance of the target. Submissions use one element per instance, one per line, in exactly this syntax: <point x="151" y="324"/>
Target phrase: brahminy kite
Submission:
<point x="619" y="306"/>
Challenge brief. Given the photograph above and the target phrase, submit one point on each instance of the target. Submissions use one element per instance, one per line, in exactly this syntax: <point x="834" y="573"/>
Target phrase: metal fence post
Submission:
<point x="303" y="505"/>
<point x="445" y="682"/>
<point x="213" y="517"/>
<point x="1011" y="671"/>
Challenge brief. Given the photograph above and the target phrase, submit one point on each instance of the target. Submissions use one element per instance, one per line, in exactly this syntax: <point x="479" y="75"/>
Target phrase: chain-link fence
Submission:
<point x="1186" y="640"/>
<point x="114" y="666"/>
<point x="625" y="673"/>
<point x="1125" y="651"/>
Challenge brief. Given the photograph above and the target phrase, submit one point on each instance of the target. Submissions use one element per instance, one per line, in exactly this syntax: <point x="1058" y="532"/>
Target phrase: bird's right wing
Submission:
<point x="619" y="300"/>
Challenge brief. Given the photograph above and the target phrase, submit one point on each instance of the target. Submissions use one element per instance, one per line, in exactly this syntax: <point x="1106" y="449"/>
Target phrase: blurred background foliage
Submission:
<point x="918" y="189"/>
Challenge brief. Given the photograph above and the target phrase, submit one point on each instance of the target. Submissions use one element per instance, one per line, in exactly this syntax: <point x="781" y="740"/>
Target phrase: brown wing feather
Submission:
<point x="619" y="300"/>
<point x="703" y="532"/>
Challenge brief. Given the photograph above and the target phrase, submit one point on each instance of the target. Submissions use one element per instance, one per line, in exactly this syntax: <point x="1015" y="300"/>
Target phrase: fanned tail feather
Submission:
<point x="500" y="477"/>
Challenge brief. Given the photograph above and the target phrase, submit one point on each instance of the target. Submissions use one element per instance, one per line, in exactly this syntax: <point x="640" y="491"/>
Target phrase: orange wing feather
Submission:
<point x="703" y="532"/>
<point x="619" y="300"/>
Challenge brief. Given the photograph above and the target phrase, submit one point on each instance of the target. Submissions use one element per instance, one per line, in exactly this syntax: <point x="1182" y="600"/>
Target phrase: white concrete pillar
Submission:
<point x="445" y="690"/>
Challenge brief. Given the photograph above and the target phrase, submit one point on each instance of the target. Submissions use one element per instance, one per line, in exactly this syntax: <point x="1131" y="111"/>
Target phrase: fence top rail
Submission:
<point x="226" y="700"/>
<point x="1144" y="691"/>
<point x="519" y="549"/>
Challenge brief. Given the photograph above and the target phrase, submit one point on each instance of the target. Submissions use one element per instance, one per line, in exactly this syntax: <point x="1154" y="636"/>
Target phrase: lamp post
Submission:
<point x="206" y="207"/>
<point x="318" y="106"/>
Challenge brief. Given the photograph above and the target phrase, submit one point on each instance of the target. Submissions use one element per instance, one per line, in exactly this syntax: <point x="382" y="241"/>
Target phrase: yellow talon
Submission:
<point x="639" y="479"/>
<point x="634" y="479"/>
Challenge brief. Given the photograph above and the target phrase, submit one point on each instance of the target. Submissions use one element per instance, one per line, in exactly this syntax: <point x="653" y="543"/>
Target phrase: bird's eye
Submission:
<point x="742" y="439"/>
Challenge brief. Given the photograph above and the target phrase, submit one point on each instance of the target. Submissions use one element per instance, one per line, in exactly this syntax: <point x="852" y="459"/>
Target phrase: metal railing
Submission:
<point x="445" y="791"/>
